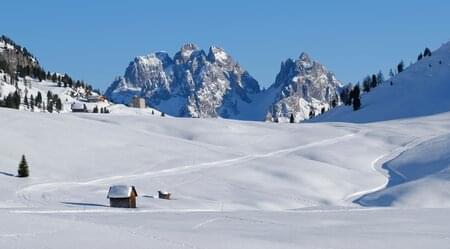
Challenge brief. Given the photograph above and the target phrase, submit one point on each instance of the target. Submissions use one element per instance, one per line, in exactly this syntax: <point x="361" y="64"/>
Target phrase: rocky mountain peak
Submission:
<point x="305" y="57"/>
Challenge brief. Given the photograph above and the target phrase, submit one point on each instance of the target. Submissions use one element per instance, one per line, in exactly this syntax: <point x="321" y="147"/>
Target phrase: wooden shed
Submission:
<point x="122" y="196"/>
<point x="164" y="195"/>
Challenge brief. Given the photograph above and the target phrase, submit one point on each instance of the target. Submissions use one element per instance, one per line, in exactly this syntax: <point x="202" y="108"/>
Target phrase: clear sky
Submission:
<point x="95" y="40"/>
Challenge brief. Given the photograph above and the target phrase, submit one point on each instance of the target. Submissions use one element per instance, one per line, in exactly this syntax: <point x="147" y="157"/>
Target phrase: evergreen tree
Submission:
<point x="334" y="103"/>
<point x="292" y="119"/>
<point x="367" y="84"/>
<point x="39" y="99"/>
<point x="427" y="52"/>
<point x="54" y="77"/>
<point x="420" y="57"/>
<point x="58" y="105"/>
<point x="400" y="67"/>
<point x="345" y="94"/>
<point x="163" y="114"/>
<point x="311" y="114"/>
<point x="50" y="106"/>
<point x="322" y="111"/>
<point x="356" y="98"/>
<point x="17" y="101"/>
<point x="23" y="168"/>
<point x="32" y="102"/>
<point x="95" y="110"/>
<point x="25" y="101"/>
<point x="374" y="81"/>
<point x="380" y="77"/>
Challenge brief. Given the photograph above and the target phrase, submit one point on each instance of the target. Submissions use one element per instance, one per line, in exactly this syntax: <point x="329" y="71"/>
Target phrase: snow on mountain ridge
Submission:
<point x="196" y="84"/>
<point x="201" y="85"/>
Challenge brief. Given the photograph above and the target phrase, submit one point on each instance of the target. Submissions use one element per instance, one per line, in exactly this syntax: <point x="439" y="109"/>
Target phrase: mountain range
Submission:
<point x="196" y="83"/>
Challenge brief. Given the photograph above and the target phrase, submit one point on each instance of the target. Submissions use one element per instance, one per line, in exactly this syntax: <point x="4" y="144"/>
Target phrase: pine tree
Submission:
<point x="23" y="168"/>
<point x="25" y="101"/>
<point x="50" y="107"/>
<point x="292" y="119"/>
<point x="427" y="52"/>
<point x="356" y="98"/>
<point x="163" y="114"/>
<point x="367" y="84"/>
<point x="380" y="77"/>
<point x="39" y="99"/>
<point x="32" y="102"/>
<point x="95" y="110"/>
<point x="334" y="103"/>
<point x="58" y="105"/>
<point x="374" y="81"/>
<point x="420" y="57"/>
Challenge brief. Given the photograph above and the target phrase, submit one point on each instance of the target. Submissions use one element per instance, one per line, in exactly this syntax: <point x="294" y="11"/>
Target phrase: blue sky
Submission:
<point x="95" y="40"/>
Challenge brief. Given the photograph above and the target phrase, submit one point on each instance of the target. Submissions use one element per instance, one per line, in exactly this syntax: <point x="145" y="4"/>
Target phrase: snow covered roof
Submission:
<point x="77" y="106"/>
<point x="121" y="191"/>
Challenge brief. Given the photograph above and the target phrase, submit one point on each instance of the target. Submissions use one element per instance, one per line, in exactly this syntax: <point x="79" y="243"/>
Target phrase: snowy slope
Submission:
<point x="257" y="184"/>
<point x="417" y="177"/>
<point x="421" y="90"/>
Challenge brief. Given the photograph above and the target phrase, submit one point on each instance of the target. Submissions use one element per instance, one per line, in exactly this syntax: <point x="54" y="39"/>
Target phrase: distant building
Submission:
<point x="164" y="195"/>
<point x="95" y="98"/>
<point x="138" y="102"/>
<point x="122" y="196"/>
<point x="78" y="107"/>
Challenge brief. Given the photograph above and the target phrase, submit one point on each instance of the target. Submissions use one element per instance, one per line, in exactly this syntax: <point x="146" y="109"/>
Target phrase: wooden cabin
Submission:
<point x="122" y="196"/>
<point x="164" y="195"/>
<point x="79" y="107"/>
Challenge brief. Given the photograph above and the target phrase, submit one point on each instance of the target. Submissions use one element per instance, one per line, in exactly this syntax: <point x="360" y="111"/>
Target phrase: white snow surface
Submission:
<point x="242" y="184"/>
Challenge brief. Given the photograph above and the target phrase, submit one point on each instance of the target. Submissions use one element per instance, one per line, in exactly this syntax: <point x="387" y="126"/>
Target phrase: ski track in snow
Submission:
<point x="378" y="163"/>
<point x="23" y="193"/>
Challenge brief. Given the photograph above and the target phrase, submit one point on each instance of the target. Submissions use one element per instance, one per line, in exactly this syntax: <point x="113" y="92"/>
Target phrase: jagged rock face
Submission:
<point x="198" y="84"/>
<point x="303" y="86"/>
<point x="193" y="83"/>
<point x="14" y="55"/>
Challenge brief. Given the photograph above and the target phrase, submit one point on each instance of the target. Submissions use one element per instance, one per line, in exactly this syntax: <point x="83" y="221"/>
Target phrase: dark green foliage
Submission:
<point x="427" y="52"/>
<point x="58" y="105"/>
<point x="374" y="81"/>
<point x="345" y="94"/>
<point x="25" y="101"/>
<point x="292" y="119"/>
<point x="32" y="102"/>
<point x="163" y="114"/>
<point x="95" y="110"/>
<point x="333" y="103"/>
<point x="367" y="84"/>
<point x="400" y="67"/>
<point x="420" y="57"/>
<point x="356" y="98"/>
<point x="23" y="170"/>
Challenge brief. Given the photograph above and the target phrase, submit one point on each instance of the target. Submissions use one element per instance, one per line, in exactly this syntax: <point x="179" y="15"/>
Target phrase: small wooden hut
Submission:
<point x="164" y="195"/>
<point x="122" y="196"/>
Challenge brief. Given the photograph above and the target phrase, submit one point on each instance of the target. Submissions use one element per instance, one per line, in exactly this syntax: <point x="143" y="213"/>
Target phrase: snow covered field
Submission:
<point x="235" y="184"/>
